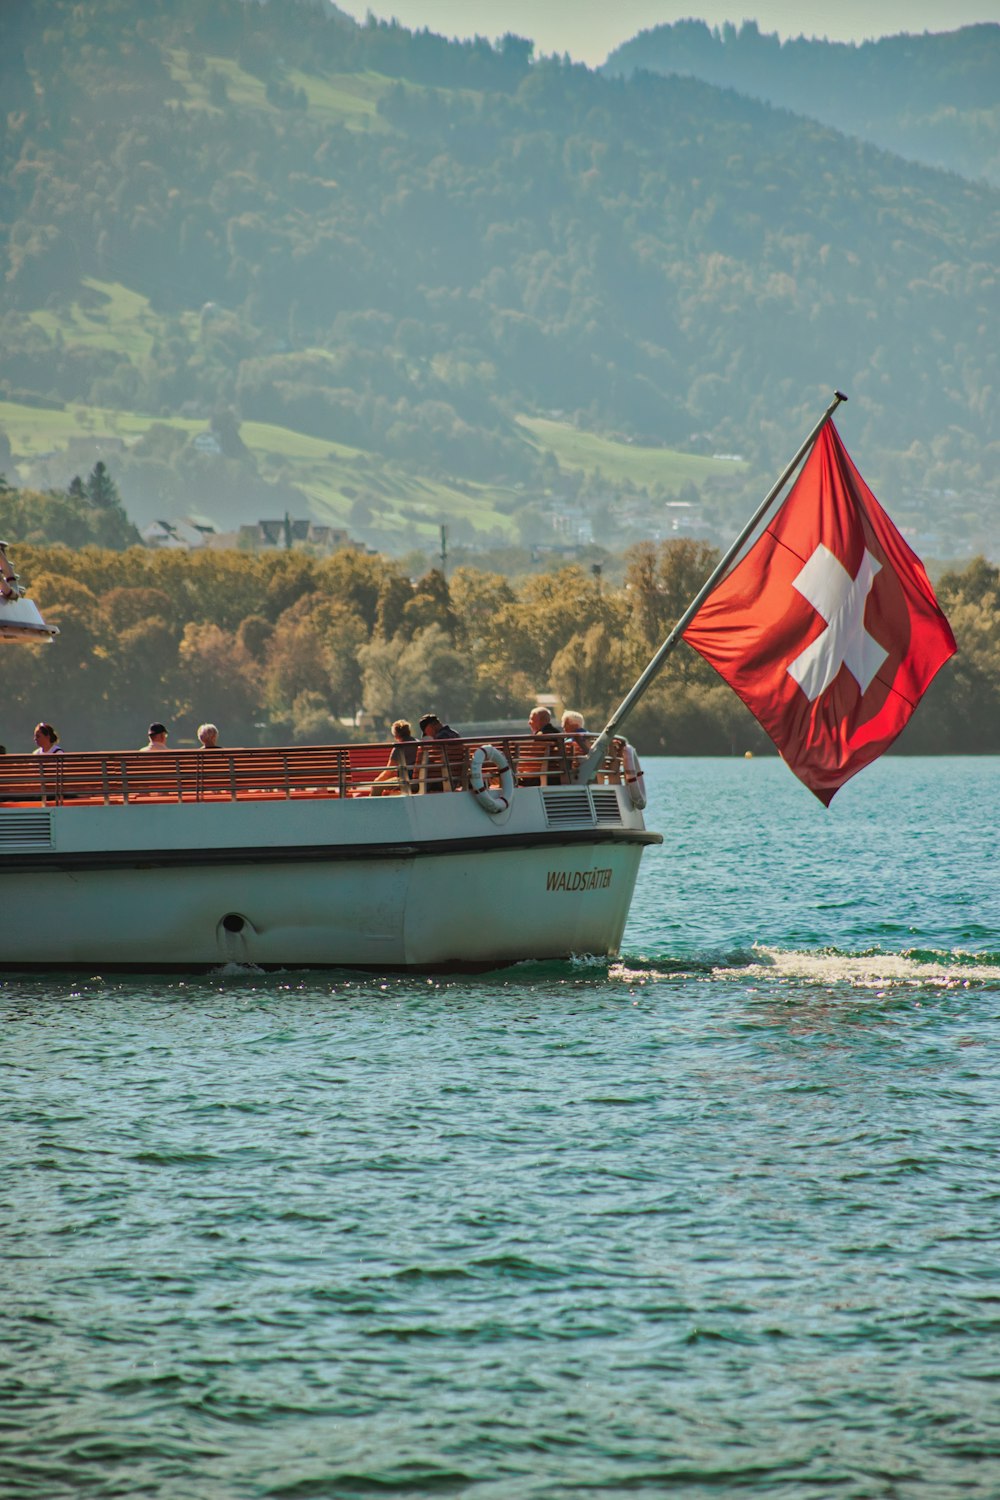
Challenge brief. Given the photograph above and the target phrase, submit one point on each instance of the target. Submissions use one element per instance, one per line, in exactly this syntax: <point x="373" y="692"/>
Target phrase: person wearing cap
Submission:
<point x="157" y="737"/>
<point x="429" y="757"/>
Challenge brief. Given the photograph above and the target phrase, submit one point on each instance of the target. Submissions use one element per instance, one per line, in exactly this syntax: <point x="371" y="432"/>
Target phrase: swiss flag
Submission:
<point x="828" y="628"/>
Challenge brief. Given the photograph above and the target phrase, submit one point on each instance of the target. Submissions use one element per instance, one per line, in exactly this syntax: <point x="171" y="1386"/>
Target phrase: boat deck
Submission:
<point x="82" y="779"/>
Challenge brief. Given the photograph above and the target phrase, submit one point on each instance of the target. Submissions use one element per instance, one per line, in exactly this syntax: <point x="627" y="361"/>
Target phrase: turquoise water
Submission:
<point x="721" y="1218"/>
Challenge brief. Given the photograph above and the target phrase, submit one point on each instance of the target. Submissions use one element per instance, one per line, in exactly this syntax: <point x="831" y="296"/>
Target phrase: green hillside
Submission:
<point x="330" y="482"/>
<point x="400" y="281"/>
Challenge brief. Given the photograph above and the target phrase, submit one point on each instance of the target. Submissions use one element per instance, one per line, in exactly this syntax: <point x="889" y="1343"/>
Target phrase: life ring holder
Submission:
<point x="635" y="781"/>
<point x="497" y="804"/>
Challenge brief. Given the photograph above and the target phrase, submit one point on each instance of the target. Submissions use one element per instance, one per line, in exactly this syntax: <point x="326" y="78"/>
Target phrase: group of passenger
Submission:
<point x="548" y="765"/>
<point x="156" y="737"/>
<point x="47" y="739"/>
<point x="425" y="761"/>
<point x="435" y="767"/>
<point x="428" y="762"/>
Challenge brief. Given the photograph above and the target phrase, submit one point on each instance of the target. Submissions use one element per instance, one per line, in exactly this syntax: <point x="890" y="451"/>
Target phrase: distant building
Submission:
<point x="288" y="532"/>
<point x="185" y="535"/>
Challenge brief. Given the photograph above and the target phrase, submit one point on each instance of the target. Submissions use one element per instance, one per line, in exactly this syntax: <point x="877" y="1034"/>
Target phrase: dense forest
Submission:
<point x="932" y="98"/>
<point x="399" y="244"/>
<point x="285" y="647"/>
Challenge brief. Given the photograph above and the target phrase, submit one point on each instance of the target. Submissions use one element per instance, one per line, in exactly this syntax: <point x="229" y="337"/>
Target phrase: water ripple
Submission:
<point x="716" y="1218"/>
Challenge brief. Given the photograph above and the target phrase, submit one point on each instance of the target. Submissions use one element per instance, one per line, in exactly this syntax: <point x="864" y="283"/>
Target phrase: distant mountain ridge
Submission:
<point x="933" y="98"/>
<point x="398" y="246"/>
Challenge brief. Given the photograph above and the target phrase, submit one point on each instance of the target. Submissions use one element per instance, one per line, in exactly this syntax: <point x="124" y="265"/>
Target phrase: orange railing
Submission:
<point x="84" y="778"/>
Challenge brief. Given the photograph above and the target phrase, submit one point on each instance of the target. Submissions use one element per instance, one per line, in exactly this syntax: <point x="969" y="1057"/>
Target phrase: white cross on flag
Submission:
<point x="828" y="628"/>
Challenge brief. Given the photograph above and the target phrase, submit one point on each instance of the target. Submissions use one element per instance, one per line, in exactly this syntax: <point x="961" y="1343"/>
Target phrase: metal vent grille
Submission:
<point x="567" y="806"/>
<point x="25" y="830"/>
<point x="607" y="808"/>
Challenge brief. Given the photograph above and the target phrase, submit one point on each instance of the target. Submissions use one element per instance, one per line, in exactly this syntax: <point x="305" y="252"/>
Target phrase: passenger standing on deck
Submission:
<point x="208" y="736"/>
<point x="430" y="756"/>
<point x="157" y="737"/>
<point x="47" y="740"/>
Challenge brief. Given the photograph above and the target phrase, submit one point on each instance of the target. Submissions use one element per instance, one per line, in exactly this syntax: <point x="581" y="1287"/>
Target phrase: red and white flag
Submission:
<point x="828" y="628"/>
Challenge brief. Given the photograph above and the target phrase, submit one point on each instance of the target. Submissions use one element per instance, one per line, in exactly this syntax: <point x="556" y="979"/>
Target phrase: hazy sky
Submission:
<point x="589" y="29"/>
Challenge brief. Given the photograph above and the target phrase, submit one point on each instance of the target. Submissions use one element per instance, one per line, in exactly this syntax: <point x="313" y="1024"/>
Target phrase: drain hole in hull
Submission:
<point x="233" y="922"/>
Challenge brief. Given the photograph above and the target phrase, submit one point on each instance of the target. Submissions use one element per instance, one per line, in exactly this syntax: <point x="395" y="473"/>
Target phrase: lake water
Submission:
<point x="721" y="1218"/>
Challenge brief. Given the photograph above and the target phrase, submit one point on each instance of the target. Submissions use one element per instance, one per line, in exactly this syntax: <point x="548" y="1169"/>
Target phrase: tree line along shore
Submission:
<point x="286" y="647"/>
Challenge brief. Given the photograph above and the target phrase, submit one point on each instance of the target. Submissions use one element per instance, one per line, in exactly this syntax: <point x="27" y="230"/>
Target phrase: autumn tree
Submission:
<point x="216" y="681"/>
<point x="961" y="710"/>
<point x="405" y="677"/>
<point x="295" y="664"/>
<point x="591" y="673"/>
<point x="547" y="610"/>
<point x="477" y="599"/>
<point x="430" y="605"/>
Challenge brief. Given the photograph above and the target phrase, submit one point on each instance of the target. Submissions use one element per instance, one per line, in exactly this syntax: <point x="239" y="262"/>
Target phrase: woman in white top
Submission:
<point x="47" y="740"/>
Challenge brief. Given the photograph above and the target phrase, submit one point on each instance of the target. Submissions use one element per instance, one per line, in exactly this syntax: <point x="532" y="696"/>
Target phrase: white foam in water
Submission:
<point x="864" y="970"/>
<point x="875" y="971"/>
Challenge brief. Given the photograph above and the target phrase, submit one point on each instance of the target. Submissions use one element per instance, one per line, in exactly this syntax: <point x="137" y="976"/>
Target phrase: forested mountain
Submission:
<point x="285" y="647"/>
<point x="398" y="247"/>
<point x="933" y="98"/>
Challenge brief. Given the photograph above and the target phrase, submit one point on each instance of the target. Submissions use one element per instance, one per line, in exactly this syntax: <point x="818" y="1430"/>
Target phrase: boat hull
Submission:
<point x="423" y="883"/>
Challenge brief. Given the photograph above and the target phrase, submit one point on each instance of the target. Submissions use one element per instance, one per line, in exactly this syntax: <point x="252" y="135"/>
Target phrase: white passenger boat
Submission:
<point x="296" y="857"/>
<point x="281" y="858"/>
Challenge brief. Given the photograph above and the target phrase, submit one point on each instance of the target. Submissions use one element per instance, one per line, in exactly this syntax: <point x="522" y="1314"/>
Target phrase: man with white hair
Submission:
<point x="208" y="736"/>
<point x="541" y="766"/>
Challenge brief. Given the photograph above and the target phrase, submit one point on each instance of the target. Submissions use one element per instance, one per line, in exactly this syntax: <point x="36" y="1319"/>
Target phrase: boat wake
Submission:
<point x="872" y="969"/>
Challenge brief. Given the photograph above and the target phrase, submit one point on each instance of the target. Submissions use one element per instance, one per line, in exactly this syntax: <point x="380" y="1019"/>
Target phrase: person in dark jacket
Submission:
<point x="433" y="760"/>
<point x="541" y="766"/>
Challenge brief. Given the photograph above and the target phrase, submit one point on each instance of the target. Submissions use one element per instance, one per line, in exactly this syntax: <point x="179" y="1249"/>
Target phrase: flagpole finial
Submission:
<point x="840" y="395"/>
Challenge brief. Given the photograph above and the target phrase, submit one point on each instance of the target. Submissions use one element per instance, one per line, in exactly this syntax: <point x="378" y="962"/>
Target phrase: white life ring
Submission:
<point x="635" y="781"/>
<point x="488" y="755"/>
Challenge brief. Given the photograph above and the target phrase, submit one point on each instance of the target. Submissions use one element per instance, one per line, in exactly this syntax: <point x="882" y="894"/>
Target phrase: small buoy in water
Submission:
<point x="748" y="755"/>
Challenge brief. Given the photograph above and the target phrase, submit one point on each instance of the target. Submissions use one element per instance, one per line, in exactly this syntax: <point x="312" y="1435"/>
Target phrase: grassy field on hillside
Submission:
<point x="116" y="319"/>
<point x="332" y="475"/>
<point x="34" y="431"/>
<point x="337" y="479"/>
<point x="335" y="476"/>
<point x="342" y="483"/>
<point x="660" y="469"/>
<point x="348" y="99"/>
